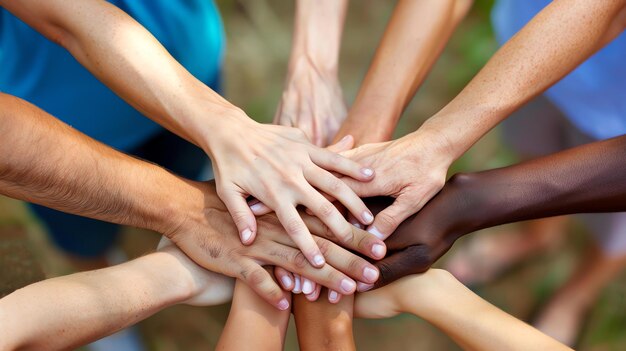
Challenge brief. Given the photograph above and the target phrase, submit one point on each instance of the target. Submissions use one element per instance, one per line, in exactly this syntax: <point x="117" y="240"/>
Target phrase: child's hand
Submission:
<point x="206" y="288"/>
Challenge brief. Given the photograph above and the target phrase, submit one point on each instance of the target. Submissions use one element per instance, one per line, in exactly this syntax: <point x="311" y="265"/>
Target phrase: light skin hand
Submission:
<point x="312" y="100"/>
<point x="222" y="252"/>
<point x="287" y="171"/>
<point x="410" y="170"/>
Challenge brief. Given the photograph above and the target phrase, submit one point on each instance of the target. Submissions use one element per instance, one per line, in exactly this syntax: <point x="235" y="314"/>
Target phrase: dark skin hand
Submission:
<point x="586" y="179"/>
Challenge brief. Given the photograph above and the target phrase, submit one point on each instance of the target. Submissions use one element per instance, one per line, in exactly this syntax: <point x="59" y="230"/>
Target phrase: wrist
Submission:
<point x="218" y="135"/>
<point x="303" y="63"/>
<point x="171" y="283"/>
<point x="432" y="293"/>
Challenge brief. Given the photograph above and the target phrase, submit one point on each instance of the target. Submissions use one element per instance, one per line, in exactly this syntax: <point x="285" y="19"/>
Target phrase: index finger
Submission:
<point x="361" y="241"/>
<point x="331" y="161"/>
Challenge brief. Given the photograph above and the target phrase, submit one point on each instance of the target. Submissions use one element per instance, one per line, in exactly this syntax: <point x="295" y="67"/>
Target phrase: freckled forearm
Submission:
<point x="553" y="43"/>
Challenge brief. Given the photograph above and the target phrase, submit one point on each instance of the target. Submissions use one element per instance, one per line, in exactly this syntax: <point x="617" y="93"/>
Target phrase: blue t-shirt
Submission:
<point x="45" y="74"/>
<point x="593" y="96"/>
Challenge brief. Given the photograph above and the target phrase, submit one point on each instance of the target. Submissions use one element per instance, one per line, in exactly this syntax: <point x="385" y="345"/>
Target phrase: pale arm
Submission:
<point x="440" y="299"/>
<point x="312" y="100"/>
<point x="70" y="311"/>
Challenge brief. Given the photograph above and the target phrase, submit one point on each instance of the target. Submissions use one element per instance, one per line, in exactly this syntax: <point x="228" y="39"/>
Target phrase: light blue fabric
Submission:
<point x="39" y="71"/>
<point x="593" y="96"/>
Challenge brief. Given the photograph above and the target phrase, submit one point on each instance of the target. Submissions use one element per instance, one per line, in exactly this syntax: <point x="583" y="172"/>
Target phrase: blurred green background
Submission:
<point x="259" y="38"/>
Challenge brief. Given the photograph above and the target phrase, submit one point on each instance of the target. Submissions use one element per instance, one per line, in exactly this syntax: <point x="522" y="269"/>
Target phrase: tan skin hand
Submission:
<point x="412" y="170"/>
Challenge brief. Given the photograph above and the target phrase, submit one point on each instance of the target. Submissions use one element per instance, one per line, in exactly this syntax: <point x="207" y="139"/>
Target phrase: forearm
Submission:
<point x="586" y="179"/>
<point x="317" y="33"/>
<point x="253" y="324"/>
<point x="471" y="321"/>
<point x="44" y="161"/>
<point x="86" y="306"/>
<point x="551" y="45"/>
<point x="322" y="325"/>
<point x="129" y="60"/>
<point x="413" y="40"/>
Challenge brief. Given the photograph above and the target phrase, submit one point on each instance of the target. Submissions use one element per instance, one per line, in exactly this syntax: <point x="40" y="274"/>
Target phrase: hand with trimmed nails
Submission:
<point x="282" y="169"/>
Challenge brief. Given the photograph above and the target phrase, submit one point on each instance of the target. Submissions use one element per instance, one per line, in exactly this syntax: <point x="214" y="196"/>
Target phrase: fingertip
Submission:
<point x="333" y="296"/>
<point x="283" y="304"/>
<point x="379" y="250"/>
<point x="247" y="236"/>
<point x="367" y="173"/>
<point x="286" y="282"/>
<point x="318" y="260"/>
<point x="363" y="287"/>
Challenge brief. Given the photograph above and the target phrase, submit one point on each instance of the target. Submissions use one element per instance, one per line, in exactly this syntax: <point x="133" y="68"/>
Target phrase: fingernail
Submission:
<point x="255" y="207"/>
<point x="344" y="138"/>
<point x="347" y="286"/>
<point x="368" y="172"/>
<point x="358" y="225"/>
<point x="373" y="230"/>
<point x="362" y="287"/>
<point x="307" y="287"/>
<point x="378" y="250"/>
<point x="332" y="295"/>
<point x="318" y="260"/>
<point x="286" y="281"/>
<point x="283" y="304"/>
<point x="246" y="234"/>
<point x="367" y="217"/>
<point x="370" y="274"/>
<point x="297" y="288"/>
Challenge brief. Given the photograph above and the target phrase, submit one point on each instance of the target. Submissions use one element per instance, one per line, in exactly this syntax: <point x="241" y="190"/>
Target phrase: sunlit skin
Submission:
<point x="96" y="181"/>
<point x="276" y="164"/>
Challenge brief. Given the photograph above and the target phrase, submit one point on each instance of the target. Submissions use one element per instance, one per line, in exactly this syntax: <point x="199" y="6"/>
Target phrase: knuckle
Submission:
<point x="324" y="246"/>
<point x="355" y="265"/>
<point x="299" y="260"/>
<point x="385" y="221"/>
<point x="293" y="226"/>
<point x="256" y="277"/>
<point x="335" y="185"/>
<point x="326" y="209"/>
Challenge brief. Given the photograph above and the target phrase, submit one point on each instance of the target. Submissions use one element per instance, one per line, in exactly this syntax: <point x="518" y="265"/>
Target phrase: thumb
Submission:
<point x="242" y="215"/>
<point x="346" y="143"/>
<point x="387" y="220"/>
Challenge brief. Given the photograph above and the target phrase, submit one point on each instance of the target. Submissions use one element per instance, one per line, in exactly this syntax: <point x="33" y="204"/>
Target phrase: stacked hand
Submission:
<point x="209" y="238"/>
<point x="312" y="102"/>
<point x="411" y="169"/>
<point x="282" y="169"/>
